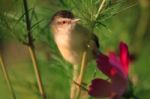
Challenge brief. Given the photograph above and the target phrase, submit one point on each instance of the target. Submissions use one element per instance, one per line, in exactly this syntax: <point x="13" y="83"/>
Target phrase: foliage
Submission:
<point x="114" y="23"/>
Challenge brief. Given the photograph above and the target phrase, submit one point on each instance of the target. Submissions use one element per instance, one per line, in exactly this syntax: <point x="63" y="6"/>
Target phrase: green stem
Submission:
<point x="5" y="72"/>
<point x="100" y="8"/>
<point x="142" y="27"/>
<point x="32" y="50"/>
<point x="84" y="58"/>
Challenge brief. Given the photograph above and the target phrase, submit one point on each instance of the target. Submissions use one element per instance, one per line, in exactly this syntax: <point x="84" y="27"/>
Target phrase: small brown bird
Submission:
<point x="72" y="38"/>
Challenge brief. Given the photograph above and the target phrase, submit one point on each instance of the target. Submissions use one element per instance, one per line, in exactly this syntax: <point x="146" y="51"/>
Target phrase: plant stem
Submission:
<point x="100" y="9"/>
<point x="141" y="29"/>
<point x="83" y="87"/>
<point x="83" y="65"/>
<point x="32" y="50"/>
<point x="84" y="58"/>
<point x="73" y="85"/>
<point x="5" y="72"/>
<point x="37" y="73"/>
<point x="82" y="70"/>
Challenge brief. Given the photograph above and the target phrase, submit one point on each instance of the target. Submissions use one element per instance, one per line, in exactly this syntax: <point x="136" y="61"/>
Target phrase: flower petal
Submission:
<point x="100" y="88"/>
<point x="115" y="61"/>
<point x="105" y="66"/>
<point x="116" y="69"/>
<point x="124" y="56"/>
<point x="119" y="85"/>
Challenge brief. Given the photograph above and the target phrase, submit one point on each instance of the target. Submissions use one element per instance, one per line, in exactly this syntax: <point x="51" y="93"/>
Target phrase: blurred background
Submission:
<point x="120" y="20"/>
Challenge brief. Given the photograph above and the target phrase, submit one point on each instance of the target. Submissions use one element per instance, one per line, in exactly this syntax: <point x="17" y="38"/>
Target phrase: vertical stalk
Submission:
<point x="73" y="89"/>
<point x="81" y="75"/>
<point x="5" y="72"/>
<point x="84" y="57"/>
<point x="78" y="76"/>
<point x="83" y="65"/>
<point x="37" y="73"/>
<point x="32" y="50"/>
<point x="84" y="62"/>
<point x="100" y="9"/>
<point x="142" y="26"/>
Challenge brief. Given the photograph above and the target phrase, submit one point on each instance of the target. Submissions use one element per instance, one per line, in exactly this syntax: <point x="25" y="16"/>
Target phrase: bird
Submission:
<point x="72" y="38"/>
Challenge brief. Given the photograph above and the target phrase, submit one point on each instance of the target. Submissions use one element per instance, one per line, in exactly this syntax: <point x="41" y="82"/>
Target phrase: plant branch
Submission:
<point x="32" y="50"/>
<point x="73" y="89"/>
<point x="37" y="73"/>
<point x="83" y="66"/>
<point x="28" y="23"/>
<point x="142" y="27"/>
<point x="84" y="57"/>
<point x="81" y="86"/>
<point x="100" y="8"/>
<point x="82" y="70"/>
<point x="5" y="72"/>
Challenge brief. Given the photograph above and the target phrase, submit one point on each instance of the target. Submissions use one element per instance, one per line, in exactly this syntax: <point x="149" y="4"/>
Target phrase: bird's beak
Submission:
<point x="75" y="20"/>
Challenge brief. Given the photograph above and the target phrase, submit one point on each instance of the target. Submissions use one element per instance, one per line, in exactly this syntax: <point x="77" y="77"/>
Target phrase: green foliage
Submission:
<point x="114" y="23"/>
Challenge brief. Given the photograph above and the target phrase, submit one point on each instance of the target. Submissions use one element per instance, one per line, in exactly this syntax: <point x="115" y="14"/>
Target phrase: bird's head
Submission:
<point x="63" y="21"/>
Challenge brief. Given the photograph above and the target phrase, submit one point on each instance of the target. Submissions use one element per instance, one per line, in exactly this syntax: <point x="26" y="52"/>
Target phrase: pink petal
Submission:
<point x="115" y="68"/>
<point x="100" y="88"/>
<point x="115" y="61"/>
<point x="124" y="56"/>
<point x="105" y="66"/>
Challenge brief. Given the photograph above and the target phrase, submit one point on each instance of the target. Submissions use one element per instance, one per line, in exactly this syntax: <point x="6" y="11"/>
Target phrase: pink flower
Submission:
<point x="116" y="68"/>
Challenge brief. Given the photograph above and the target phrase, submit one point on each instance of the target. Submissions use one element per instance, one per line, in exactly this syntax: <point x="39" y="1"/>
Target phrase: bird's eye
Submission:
<point x="63" y="22"/>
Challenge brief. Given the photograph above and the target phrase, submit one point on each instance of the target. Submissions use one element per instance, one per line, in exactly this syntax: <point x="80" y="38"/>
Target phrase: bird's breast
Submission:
<point x="71" y="47"/>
